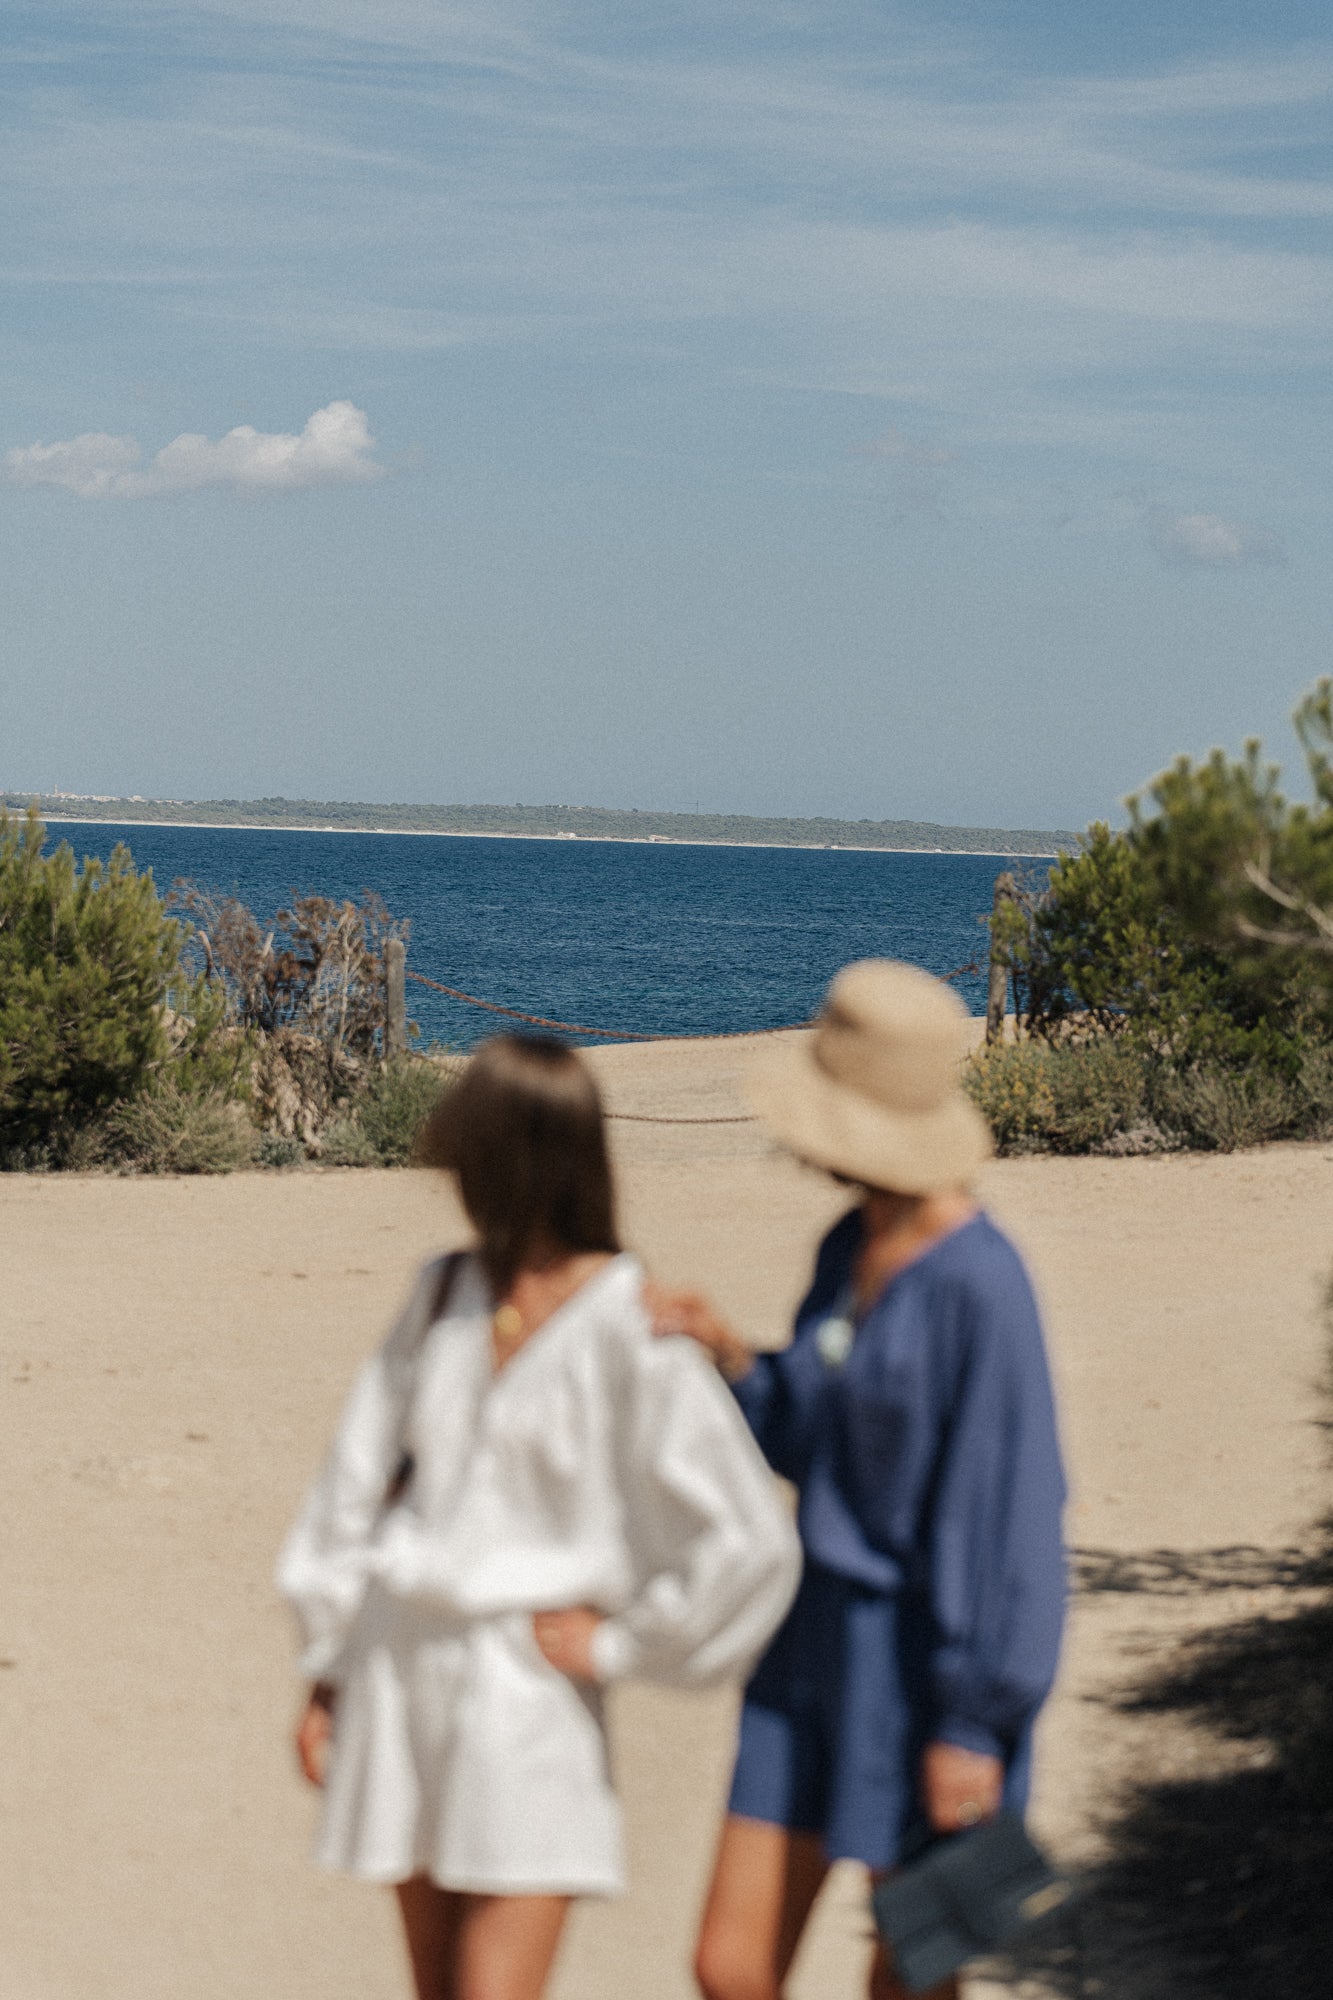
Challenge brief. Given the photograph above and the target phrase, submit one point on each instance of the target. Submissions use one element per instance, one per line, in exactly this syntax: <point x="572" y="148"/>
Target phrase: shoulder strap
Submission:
<point x="401" y="1476"/>
<point x="444" y="1285"/>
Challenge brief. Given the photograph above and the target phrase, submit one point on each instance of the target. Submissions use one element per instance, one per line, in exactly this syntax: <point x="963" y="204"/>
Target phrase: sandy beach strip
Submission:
<point x="587" y="839"/>
<point x="172" y="1353"/>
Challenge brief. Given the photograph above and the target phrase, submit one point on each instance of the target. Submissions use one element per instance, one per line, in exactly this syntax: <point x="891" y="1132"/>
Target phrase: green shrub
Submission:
<point x="168" y="1130"/>
<point x="276" y="1150"/>
<point x="95" y="1005"/>
<point x="1011" y="1087"/>
<point x="382" y="1126"/>
<point x="1099" y="1089"/>
<point x="1106" y="1096"/>
<point x="86" y="960"/>
<point x="345" y="1145"/>
<point x="398" y="1100"/>
<point x="1221" y="1110"/>
<point x="1204" y="931"/>
<point x="1073" y="1099"/>
<point x="1314" y="1087"/>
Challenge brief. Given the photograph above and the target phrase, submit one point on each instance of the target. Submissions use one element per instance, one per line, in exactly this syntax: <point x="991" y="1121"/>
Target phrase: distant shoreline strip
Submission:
<point x="585" y="839"/>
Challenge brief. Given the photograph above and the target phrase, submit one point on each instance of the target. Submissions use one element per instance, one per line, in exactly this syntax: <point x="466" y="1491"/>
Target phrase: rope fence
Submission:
<point x="633" y="1034"/>
<point x="607" y="1034"/>
<point x="630" y="1035"/>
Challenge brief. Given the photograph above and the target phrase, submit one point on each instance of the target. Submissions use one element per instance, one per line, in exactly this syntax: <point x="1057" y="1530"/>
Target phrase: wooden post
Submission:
<point x="395" y="998"/>
<point x="997" y="992"/>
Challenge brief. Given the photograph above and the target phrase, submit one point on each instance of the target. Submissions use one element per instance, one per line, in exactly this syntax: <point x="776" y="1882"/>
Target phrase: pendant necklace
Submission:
<point x="836" y="1334"/>
<point x="506" y="1330"/>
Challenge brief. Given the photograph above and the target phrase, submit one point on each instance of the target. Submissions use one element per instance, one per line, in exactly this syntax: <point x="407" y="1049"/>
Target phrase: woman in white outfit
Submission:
<point x="527" y="1496"/>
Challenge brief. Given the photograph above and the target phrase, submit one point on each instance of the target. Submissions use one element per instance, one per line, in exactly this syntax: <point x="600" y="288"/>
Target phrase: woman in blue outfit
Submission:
<point x="913" y="1413"/>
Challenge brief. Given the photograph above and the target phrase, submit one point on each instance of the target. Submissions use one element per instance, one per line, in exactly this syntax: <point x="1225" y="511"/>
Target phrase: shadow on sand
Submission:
<point x="1218" y="1877"/>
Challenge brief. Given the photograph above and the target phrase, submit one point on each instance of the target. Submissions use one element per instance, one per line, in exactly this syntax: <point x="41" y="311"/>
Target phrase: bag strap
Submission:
<point x="444" y="1286"/>
<point x="401" y="1476"/>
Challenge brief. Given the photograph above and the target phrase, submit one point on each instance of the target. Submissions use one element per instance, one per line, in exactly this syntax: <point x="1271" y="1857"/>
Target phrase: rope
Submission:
<point x="609" y="1034"/>
<point x="632" y="1035"/>
<point x="644" y="1118"/>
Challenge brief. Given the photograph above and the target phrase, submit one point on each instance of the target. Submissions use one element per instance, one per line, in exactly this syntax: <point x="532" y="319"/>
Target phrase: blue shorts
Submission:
<point x="835" y="1720"/>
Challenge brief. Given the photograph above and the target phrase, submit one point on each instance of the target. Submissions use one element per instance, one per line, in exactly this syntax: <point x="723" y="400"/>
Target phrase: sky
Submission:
<point x="890" y="411"/>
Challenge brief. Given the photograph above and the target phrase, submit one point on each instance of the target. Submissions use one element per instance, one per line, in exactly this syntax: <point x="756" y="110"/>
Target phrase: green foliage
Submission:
<point x="398" y="1100"/>
<point x="274" y="1149"/>
<point x="1010" y="1086"/>
<point x="168" y="1130"/>
<point x="1221" y="1110"/>
<point x="1108" y="951"/>
<point x="87" y="957"/>
<point x="131" y="1041"/>
<point x="1062" y="1099"/>
<point x="346" y="1145"/>
<point x="382" y="1127"/>
<point x="1105" y="1095"/>
<point x="1203" y="934"/>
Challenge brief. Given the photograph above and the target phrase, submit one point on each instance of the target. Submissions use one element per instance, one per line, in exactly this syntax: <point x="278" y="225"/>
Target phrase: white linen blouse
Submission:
<point x="601" y="1466"/>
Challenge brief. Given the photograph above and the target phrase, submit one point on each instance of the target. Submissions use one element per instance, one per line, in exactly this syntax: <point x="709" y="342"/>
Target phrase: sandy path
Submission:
<point x="171" y="1354"/>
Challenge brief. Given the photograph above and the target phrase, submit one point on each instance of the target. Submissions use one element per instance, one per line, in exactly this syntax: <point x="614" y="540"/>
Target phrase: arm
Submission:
<point x="325" y="1560"/>
<point x="712" y="1543"/>
<point x="996" y="1559"/>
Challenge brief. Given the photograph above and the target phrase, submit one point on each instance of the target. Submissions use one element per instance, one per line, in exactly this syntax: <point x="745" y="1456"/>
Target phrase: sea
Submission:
<point x="653" y="938"/>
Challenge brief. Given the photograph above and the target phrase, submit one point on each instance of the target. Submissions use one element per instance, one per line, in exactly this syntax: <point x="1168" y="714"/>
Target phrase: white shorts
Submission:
<point x="461" y="1754"/>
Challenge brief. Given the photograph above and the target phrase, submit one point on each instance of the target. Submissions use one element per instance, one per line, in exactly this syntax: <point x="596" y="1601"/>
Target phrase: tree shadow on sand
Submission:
<point x="1218" y="1877"/>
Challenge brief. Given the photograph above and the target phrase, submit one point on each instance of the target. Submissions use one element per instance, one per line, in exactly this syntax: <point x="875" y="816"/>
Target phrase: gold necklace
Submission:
<point x="507" y="1325"/>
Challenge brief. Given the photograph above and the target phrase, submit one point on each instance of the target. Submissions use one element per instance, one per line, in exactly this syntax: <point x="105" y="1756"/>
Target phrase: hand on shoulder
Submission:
<point x="691" y="1314"/>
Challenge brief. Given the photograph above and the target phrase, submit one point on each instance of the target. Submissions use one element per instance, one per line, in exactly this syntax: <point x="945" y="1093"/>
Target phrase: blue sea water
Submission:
<point x="660" y="939"/>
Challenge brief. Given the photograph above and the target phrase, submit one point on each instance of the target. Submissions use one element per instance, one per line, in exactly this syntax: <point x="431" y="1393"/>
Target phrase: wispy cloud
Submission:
<point x="830" y="205"/>
<point x="334" y="449"/>
<point x="1210" y="541"/>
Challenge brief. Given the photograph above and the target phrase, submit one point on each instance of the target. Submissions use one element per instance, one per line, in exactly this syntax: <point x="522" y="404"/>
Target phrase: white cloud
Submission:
<point x="1208" y="541"/>
<point x="334" y="449"/>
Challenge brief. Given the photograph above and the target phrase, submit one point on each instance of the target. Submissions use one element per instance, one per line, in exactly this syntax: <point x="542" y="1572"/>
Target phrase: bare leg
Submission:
<point x="765" y="1881"/>
<point x="479" y="1947"/>
<point x="430" y="1923"/>
<point x="506" y="1945"/>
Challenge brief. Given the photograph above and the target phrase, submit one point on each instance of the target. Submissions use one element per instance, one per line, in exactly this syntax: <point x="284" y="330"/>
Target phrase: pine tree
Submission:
<point x="87" y="959"/>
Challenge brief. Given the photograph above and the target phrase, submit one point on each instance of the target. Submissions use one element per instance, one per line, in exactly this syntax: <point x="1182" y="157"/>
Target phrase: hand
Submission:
<point x="565" y="1639"/>
<point x="314" y="1734"/>
<point x="692" y="1314"/>
<point x="960" y="1787"/>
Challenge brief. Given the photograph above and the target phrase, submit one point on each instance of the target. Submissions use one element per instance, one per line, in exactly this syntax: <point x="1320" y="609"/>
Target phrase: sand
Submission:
<point x="171" y="1356"/>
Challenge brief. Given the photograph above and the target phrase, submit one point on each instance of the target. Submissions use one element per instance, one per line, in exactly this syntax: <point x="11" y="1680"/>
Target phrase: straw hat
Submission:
<point x="874" y="1093"/>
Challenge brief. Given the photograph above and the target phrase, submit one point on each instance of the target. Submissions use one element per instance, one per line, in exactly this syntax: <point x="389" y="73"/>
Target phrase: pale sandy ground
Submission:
<point x="171" y="1356"/>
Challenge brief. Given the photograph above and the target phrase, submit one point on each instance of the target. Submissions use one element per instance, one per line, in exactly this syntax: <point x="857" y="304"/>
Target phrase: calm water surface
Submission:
<point x="661" y="939"/>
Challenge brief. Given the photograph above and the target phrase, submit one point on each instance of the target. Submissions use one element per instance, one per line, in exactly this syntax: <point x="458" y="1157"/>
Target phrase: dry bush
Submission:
<point x="172" y="1131"/>
<point x="1223" y="1110"/>
<point x="308" y="993"/>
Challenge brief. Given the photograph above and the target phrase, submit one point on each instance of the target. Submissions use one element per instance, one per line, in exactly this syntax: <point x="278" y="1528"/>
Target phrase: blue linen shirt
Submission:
<point x="927" y="1462"/>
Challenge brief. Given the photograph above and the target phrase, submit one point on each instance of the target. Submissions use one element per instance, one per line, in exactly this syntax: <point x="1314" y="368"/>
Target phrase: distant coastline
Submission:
<point x="588" y="823"/>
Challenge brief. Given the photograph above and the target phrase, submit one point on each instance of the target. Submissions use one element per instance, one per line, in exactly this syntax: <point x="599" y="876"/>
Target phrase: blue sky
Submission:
<point x="900" y="411"/>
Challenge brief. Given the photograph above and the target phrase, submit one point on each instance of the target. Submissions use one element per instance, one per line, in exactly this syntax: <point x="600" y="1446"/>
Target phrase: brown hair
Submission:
<point x="522" y="1132"/>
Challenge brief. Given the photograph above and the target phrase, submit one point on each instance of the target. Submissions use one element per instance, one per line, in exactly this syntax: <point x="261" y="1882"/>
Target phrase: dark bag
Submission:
<point x="401" y="1476"/>
<point x="967" y="1895"/>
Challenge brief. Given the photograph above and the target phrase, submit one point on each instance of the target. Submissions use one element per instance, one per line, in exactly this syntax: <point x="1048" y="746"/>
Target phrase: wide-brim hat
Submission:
<point x="874" y="1093"/>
